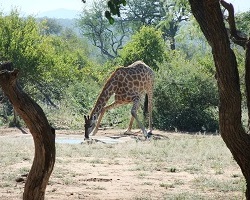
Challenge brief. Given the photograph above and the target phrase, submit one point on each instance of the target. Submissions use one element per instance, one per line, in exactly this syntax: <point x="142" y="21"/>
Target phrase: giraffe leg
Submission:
<point x="150" y="108"/>
<point x="134" y="109"/>
<point x="98" y="122"/>
<point x="106" y="108"/>
<point x="130" y="125"/>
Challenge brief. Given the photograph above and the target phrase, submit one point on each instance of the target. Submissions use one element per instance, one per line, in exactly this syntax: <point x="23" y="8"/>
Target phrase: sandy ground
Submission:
<point x="90" y="178"/>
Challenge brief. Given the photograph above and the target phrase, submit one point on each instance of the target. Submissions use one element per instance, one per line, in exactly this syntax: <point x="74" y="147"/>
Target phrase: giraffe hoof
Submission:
<point x="128" y="132"/>
<point x="148" y="135"/>
<point x="88" y="141"/>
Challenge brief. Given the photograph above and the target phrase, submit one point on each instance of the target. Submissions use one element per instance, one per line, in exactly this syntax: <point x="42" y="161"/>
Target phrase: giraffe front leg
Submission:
<point x="128" y="131"/>
<point x="106" y="108"/>
<point x="98" y="122"/>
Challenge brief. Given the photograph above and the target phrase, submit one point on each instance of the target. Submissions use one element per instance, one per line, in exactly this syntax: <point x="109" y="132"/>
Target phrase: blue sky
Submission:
<point x="37" y="6"/>
<point x="240" y="5"/>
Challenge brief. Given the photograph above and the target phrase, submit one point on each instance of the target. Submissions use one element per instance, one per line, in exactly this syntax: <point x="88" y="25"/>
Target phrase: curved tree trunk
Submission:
<point x="43" y="134"/>
<point x="209" y="16"/>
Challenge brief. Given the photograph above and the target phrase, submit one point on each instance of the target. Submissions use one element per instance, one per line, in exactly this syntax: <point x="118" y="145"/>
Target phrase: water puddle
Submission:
<point x="69" y="141"/>
<point x="105" y="140"/>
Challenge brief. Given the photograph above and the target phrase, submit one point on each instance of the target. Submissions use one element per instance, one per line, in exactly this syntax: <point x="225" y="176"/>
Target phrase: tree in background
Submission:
<point x="167" y="17"/>
<point x="106" y="37"/>
<point x="146" y="45"/>
<point x="144" y="12"/>
<point x="191" y="41"/>
<point x="50" y="26"/>
<point x="20" y="40"/>
<point x="176" y="12"/>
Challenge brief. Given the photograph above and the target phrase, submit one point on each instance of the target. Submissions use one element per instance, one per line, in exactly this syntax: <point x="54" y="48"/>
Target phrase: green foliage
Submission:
<point x="145" y="12"/>
<point x="56" y="70"/>
<point x="243" y="22"/>
<point x="48" y="64"/>
<point x="114" y="9"/>
<point x="19" y="42"/>
<point x="185" y="96"/>
<point x="146" y="45"/>
<point x="77" y="101"/>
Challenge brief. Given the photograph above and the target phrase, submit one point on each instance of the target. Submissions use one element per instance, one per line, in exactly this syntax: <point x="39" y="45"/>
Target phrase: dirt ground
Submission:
<point x="96" y="177"/>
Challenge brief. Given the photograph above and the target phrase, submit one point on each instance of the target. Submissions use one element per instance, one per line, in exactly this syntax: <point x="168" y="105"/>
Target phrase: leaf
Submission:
<point x="107" y="14"/>
<point x="111" y="20"/>
<point x="124" y="3"/>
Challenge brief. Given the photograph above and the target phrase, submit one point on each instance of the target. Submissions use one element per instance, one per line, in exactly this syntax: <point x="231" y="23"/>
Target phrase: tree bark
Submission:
<point x="247" y="79"/>
<point x="209" y="16"/>
<point x="43" y="134"/>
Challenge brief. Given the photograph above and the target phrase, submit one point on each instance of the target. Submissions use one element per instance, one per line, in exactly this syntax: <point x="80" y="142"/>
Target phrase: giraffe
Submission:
<point x="128" y="84"/>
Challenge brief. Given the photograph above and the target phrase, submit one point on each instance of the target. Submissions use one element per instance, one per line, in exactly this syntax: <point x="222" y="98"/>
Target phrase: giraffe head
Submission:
<point x="89" y="125"/>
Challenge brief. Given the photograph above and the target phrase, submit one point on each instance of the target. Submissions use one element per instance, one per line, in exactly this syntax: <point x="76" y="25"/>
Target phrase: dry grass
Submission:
<point x="180" y="167"/>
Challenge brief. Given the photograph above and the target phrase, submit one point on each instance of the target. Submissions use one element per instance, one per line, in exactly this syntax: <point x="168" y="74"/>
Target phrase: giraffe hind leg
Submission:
<point x="134" y="114"/>
<point x="150" y="108"/>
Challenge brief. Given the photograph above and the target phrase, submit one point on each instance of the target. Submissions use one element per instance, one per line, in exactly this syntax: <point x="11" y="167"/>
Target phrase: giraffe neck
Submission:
<point x="102" y="100"/>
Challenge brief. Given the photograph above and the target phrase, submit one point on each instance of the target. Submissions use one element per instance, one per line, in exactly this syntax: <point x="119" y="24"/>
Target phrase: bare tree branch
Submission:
<point x="236" y="38"/>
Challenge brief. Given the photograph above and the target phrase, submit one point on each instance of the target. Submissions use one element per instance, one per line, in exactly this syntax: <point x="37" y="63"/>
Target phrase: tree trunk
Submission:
<point x="247" y="79"/>
<point x="43" y="134"/>
<point x="209" y="16"/>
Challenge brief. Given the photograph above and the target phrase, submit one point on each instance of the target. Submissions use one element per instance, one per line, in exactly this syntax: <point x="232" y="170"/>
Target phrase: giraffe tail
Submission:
<point x="145" y="109"/>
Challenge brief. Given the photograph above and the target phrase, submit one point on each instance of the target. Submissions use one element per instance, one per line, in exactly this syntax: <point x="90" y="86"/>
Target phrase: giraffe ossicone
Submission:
<point x="128" y="84"/>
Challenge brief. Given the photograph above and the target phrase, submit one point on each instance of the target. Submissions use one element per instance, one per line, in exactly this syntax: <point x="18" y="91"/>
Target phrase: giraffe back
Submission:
<point x="132" y="81"/>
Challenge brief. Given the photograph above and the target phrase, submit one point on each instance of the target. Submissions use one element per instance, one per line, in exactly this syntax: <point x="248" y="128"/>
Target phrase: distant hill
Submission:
<point x="64" y="17"/>
<point x="65" y="23"/>
<point x="60" y="14"/>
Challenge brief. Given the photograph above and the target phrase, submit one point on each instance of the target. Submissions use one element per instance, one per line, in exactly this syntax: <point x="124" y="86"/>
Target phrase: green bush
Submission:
<point x="185" y="97"/>
<point x="146" y="45"/>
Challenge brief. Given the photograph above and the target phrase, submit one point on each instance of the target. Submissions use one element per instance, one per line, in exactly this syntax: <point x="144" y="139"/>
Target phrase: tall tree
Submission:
<point x="210" y="18"/>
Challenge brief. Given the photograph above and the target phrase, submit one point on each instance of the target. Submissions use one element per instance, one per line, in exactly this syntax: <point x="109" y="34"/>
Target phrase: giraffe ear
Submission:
<point x="94" y="117"/>
<point x="86" y="118"/>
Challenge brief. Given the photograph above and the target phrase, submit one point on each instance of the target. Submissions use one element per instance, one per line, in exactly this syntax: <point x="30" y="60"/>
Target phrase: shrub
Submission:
<point x="184" y="97"/>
